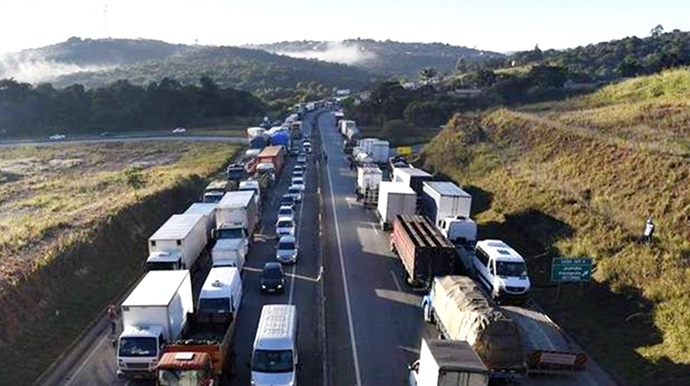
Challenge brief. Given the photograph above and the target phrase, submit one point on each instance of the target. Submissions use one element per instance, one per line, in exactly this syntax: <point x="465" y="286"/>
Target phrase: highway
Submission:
<point x="368" y="325"/>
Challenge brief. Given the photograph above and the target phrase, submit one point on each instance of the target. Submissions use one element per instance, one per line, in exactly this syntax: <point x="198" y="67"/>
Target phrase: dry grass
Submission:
<point x="579" y="179"/>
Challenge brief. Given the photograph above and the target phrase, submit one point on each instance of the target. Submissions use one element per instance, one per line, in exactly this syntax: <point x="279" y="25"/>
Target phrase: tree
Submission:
<point x="657" y="31"/>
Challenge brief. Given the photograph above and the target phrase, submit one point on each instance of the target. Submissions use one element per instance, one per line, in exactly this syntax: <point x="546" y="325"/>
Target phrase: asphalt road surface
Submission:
<point x="374" y="322"/>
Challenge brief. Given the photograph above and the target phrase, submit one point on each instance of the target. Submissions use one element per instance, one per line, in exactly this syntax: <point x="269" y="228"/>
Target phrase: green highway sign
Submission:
<point x="571" y="270"/>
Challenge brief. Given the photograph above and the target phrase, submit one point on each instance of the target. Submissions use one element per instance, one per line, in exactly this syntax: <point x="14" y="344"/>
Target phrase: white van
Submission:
<point x="274" y="358"/>
<point x="221" y="293"/>
<point x="501" y="270"/>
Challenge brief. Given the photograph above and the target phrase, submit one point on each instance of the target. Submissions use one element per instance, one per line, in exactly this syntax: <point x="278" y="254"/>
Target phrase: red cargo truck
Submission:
<point x="274" y="155"/>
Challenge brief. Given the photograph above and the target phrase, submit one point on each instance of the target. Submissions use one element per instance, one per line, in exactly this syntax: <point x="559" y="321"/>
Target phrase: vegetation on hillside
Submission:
<point x="579" y="178"/>
<point x="387" y="57"/>
<point x="41" y="110"/>
<point x="75" y="221"/>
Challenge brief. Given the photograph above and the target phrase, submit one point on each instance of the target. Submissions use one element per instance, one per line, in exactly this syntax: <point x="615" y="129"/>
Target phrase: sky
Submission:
<point x="495" y="25"/>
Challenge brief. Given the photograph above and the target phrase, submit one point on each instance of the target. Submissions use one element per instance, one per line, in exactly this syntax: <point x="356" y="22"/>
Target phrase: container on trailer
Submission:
<point x="274" y="155"/>
<point x="208" y="210"/>
<point x="178" y="243"/>
<point x="444" y="199"/>
<point x="394" y="198"/>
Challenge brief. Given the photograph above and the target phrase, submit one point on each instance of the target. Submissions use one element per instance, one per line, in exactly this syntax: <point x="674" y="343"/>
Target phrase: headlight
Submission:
<point x="263" y="286"/>
<point x="121" y="363"/>
<point x="280" y="286"/>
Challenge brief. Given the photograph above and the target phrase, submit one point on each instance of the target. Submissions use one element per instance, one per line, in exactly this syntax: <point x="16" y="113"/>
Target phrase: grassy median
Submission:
<point x="74" y="220"/>
<point x="579" y="178"/>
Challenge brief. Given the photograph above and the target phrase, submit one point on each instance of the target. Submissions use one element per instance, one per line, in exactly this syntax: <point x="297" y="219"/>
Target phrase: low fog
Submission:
<point x="336" y="52"/>
<point x="34" y="68"/>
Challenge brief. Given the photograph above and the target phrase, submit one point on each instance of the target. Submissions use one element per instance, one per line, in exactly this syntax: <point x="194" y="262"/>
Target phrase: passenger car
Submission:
<point x="272" y="278"/>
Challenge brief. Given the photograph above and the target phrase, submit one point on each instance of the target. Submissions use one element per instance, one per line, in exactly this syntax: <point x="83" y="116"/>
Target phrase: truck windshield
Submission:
<point x="180" y="377"/>
<point x="511" y="269"/>
<point x="214" y="306"/>
<point x="272" y="361"/>
<point x="213" y="197"/>
<point x="230" y="233"/>
<point x="138" y="347"/>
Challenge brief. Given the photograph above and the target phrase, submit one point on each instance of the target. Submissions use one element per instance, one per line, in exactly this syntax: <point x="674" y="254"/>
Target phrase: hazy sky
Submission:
<point x="497" y="25"/>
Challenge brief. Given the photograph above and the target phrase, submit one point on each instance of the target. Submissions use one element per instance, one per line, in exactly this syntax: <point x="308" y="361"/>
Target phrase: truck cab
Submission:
<point x="448" y="362"/>
<point x="254" y="186"/>
<point x="459" y="230"/>
<point x="138" y="350"/>
<point x="185" y="368"/>
<point x="165" y="260"/>
<point x="231" y="232"/>
<point x="501" y="270"/>
<point x="229" y="253"/>
<point x="236" y="172"/>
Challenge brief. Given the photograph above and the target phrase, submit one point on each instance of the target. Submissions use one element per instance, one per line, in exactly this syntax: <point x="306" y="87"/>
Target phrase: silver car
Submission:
<point x="285" y="226"/>
<point x="296" y="192"/>
<point x="287" y="250"/>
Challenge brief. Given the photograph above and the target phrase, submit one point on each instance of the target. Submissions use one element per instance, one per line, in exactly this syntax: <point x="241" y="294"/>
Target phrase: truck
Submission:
<point x="274" y="155"/>
<point x="448" y="207"/>
<point x="208" y="210"/>
<point x="211" y="329"/>
<point x="368" y="180"/>
<point x="236" y="172"/>
<point x="345" y="125"/>
<point x="154" y="312"/>
<point x="461" y="311"/>
<point x="339" y="116"/>
<point x="216" y="189"/>
<point x="236" y="220"/>
<point x="178" y="243"/>
<point x="423" y="251"/>
<point x="280" y="137"/>
<point x="394" y="198"/>
<point x="414" y="178"/>
<point x="377" y="149"/>
<point x="296" y="130"/>
<point x="448" y="362"/>
<point x="254" y="186"/>
<point x="186" y="367"/>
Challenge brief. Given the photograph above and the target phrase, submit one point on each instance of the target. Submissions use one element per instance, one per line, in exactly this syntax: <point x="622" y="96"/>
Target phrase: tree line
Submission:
<point x="27" y="110"/>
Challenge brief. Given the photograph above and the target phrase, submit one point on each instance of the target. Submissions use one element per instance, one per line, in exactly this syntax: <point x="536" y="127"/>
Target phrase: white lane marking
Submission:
<point x="373" y="226"/>
<point x="395" y="280"/>
<point x="355" y="357"/>
<point x="87" y="360"/>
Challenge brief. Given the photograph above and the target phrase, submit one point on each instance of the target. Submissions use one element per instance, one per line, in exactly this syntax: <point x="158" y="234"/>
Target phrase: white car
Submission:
<point x="296" y="193"/>
<point x="298" y="182"/>
<point x="298" y="174"/>
<point x="287" y="250"/>
<point x="285" y="226"/>
<point x="57" y="137"/>
<point x="179" y="130"/>
<point x="286" y="211"/>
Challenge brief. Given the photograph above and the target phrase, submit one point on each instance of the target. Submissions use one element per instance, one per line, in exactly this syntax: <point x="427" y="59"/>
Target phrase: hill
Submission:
<point x="97" y="62"/>
<point x="382" y="57"/>
<point x="579" y="178"/>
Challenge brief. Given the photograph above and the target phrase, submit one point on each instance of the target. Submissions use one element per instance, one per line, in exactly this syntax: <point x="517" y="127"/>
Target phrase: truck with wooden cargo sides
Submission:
<point x="178" y="243"/>
<point x="511" y="341"/>
<point x="423" y="251"/>
<point x="154" y="312"/>
<point x="448" y="362"/>
<point x="274" y="155"/>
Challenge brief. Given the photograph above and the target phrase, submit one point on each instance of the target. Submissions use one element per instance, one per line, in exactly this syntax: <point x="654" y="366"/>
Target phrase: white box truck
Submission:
<point x="236" y="220"/>
<point x="394" y="198"/>
<point x="448" y="362"/>
<point x="155" y="312"/>
<point x="448" y="207"/>
<point x="178" y="243"/>
<point x="208" y="210"/>
<point x="229" y="252"/>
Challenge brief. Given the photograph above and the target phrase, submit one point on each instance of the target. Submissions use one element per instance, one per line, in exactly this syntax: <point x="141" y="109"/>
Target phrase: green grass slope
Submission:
<point x="579" y="178"/>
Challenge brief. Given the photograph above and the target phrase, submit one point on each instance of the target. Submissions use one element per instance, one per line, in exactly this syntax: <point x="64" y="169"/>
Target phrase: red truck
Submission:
<point x="424" y="251"/>
<point x="274" y="155"/>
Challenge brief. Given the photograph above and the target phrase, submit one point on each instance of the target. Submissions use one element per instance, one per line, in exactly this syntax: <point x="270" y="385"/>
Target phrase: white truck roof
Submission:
<point x="277" y="327"/>
<point x="218" y="283"/>
<point x="164" y="256"/>
<point x="447" y="188"/>
<point x="253" y="184"/>
<point x="498" y="250"/>
<point x="237" y="199"/>
<point x="205" y="208"/>
<point x="413" y="172"/>
<point x="395" y="187"/>
<point x="157" y="288"/>
<point x="177" y="227"/>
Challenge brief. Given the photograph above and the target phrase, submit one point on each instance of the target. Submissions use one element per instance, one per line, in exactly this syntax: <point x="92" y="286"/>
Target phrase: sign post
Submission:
<point x="567" y="270"/>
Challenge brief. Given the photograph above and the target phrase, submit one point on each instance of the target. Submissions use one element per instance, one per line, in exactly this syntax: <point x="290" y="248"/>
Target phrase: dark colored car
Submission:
<point x="272" y="278"/>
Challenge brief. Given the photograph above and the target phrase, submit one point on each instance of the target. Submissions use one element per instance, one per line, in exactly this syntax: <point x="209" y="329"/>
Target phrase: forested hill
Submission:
<point x="94" y="63"/>
<point x="382" y="57"/>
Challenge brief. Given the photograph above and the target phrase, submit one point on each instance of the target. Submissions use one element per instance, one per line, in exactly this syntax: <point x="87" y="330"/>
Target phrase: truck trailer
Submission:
<point x="154" y="312"/>
<point x="394" y="198"/>
<point x="208" y="210"/>
<point x="423" y="251"/>
<point x="448" y="362"/>
<point x="178" y="243"/>
<point x="274" y="155"/>
<point x="368" y="180"/>
<point x="448" y="207"/>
